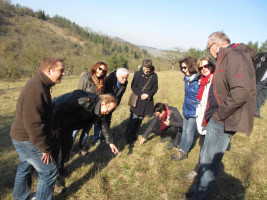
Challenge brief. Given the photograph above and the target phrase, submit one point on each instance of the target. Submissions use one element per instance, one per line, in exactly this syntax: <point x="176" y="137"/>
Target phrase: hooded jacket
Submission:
<point x="234" y="88"/>
<point x="144" y="107"/>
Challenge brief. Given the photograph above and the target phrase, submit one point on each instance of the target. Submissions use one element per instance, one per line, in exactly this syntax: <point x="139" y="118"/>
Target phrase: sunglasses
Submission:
<point x="101" y="69"/>
<point x="184" y="67"/>
<point x="204" y="66"/>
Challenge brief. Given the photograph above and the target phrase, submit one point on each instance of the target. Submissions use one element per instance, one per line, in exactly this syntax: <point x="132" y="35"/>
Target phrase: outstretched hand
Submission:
<point x="142" y="141"/>
<point x="114" y="149"/>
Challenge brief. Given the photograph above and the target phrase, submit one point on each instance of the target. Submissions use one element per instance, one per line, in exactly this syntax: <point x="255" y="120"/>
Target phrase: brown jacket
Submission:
<point x="235" y="89"/>
<point x="34" y="111"/>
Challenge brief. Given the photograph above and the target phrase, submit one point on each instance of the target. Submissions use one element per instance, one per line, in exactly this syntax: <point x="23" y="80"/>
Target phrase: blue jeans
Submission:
<point x="261" y="94"/>
<point x="215" y="144"/>
<point x="29" y="156"/>
<point x="189" y="129"/>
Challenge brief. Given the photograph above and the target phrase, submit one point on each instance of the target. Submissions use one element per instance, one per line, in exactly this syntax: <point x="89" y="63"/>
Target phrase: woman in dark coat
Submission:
<point x="145" y="103"/>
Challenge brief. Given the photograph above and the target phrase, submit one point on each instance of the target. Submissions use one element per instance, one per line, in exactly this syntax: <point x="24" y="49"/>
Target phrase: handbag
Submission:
<point x="134" y="98"/>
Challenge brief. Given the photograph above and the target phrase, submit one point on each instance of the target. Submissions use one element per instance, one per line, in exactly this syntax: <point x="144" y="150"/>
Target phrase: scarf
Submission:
<point x="99" y="83"/>
<point x="163" y="118"/>
<point x="203" y="82"/>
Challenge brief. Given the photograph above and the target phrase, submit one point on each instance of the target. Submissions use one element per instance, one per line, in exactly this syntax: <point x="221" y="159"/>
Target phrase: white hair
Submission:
<point x="121" y="72"/>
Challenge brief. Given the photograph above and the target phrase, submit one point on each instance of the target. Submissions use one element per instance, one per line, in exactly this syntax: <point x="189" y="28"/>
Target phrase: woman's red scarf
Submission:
<point x="163" y="118"/>
<point x="203" y="82"/>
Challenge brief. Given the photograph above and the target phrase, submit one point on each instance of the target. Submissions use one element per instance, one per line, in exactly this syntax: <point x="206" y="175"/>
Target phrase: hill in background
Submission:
<point x="27" y="37"/>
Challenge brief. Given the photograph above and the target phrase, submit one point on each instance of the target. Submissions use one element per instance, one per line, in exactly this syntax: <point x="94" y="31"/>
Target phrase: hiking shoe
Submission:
<point x="191" y="175"/>
<point x="179" y="156"/>
<point x="164" y="139"/>
<point x="59" y="188"/>
<point x="63" y="171"/>
<point x="170" y="145"/>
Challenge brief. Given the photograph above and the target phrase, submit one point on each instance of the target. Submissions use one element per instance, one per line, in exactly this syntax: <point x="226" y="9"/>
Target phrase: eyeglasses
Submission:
<point x="204" y="66"/>
<point x="210" y="47"/>
<point x="184" y="67"/>
<point x="101" y="69"/>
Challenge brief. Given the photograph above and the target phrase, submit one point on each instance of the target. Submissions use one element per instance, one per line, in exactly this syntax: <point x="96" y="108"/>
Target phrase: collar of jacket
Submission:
<point x="46" y="80"/>
<point x="97" y="109"/>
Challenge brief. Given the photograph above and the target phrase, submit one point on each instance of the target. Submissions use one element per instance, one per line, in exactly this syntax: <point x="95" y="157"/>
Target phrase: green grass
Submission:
<point x="141" y="172"/>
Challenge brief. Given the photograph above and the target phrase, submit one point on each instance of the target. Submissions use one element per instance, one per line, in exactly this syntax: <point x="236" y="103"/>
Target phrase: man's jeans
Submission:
<point x="215" y="144"/>
<point x="189" y="129"/>
<point x="29" y="156"/>
<point x="261" y="94"/>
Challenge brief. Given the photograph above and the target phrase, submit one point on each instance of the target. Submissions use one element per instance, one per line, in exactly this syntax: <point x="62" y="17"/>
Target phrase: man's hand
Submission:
<point x="114" y="149"/>
<point x="144" y="96"/>
<point x="167" y="122"/>
<point x="142" y="141"/>
<point x="47" y="158"/>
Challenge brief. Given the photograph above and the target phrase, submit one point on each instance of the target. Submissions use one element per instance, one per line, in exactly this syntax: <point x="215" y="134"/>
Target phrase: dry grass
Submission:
<point x="141" y="172"/>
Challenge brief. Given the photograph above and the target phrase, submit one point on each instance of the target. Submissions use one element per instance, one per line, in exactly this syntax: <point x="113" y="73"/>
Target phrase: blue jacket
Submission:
<point x="190" y="98"/>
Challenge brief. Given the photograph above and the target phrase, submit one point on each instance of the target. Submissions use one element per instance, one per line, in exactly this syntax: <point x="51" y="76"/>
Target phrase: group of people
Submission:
<point x="219" y="101"/>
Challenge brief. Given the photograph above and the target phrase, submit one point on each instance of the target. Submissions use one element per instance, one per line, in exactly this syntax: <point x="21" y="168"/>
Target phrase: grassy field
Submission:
<point x="141" y="172"/>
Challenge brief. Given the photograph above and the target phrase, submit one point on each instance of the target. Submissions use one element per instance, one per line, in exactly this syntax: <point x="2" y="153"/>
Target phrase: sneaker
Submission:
<point x="179" y="156"/>
<point x="170" y="145"/>
<point x="191" y="175"/>
<point x="258" y="116"/>
<point x="164" y="139"/>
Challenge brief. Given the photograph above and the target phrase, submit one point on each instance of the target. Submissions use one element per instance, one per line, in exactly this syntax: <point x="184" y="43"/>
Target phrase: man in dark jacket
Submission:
<point x="116" y="84"/>
<point x="75" y="110"/>
<point x="231" y="106"/>
<point x="145" y="86"/>
<point x="167" y="121"/>
<point x="32" y="129"/>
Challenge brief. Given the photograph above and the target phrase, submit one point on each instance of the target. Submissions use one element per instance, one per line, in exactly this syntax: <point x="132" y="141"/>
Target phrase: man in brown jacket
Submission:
<point x="31" y="132"/>
<point x="230" y="108"/>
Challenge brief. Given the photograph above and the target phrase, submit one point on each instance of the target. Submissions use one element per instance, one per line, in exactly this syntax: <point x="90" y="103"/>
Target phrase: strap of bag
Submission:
<point x="147" y="83"/>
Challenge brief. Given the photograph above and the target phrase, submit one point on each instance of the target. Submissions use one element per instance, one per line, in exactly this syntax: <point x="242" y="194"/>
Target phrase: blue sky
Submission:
<point x="164" y="24"/>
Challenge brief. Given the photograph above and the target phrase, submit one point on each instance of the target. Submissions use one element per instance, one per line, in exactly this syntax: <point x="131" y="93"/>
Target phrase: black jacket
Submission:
<point x="111" y="87"/>
<point x="144" y="107"/>
<point x="176" y="120"/>
<point x="77" y="109"/>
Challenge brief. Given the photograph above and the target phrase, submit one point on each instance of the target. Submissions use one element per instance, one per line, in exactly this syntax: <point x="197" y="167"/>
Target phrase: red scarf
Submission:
<point x="203" y="82"/>
<point x="163" y="118"/>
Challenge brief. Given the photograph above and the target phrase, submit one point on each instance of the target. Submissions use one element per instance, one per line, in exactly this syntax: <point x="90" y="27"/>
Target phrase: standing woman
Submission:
<point x="92" y="81"/>
<point x="191" y="80"/>
<point x="206" y="67"/>
<point x="145" y="104"/>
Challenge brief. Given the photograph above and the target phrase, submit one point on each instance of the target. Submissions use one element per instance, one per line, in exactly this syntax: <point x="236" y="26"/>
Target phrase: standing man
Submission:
<point x="31" y="132"/>
<point x="230" y="109"/>
<point x="116" y="84"/>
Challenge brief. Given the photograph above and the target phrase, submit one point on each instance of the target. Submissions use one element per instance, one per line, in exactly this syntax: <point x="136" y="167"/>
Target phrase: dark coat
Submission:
<point x="34" y="113"/>
<point x="86" y="83"/>
<point x="176" y="120"/>
<point x="144" y="107"/>
<point x="77" y="109"/>
<point x="111" y="87"/>
<point x="235" y="89"/>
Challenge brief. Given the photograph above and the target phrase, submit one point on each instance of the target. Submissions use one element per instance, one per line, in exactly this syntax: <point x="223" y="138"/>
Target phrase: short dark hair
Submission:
<point x="147" y="63"/>
<point x="49" y="63"/>
<point x="190" y="64"/>
<point x="159" y="107"/>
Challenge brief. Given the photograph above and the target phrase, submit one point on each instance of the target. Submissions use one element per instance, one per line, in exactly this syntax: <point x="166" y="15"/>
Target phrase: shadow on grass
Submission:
<point x="100" y="157"/>
<point x="226" y="187"/>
